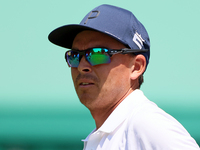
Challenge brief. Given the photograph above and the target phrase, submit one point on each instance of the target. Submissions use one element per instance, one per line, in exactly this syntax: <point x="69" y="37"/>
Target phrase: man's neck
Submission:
<point x="100" y="115"/>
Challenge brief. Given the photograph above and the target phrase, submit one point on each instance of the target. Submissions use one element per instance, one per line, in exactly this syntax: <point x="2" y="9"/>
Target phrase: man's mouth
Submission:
<point x="86" y="83"/>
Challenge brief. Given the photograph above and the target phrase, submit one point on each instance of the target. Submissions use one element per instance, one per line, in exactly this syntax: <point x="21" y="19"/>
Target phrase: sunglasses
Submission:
<point x="96" y="56"/>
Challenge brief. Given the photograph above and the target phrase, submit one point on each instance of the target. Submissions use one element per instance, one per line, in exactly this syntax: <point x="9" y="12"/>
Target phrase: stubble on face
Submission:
<point x="85" y="94"/>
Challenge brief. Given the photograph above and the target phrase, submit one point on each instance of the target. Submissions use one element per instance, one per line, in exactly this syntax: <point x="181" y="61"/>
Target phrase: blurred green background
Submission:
<point x="39" y="109"/>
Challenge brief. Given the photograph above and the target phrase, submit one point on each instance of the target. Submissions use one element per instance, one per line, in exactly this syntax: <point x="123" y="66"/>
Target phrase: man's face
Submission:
<point x="101" y="86"/>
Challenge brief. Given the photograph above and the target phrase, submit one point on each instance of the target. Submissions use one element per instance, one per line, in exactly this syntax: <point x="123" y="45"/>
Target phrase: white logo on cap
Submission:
<point x="96" y="12"/>
<point x="137" y="37"/>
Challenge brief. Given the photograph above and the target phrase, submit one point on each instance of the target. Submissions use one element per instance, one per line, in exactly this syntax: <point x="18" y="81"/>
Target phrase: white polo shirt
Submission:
<point x="138" y="124"/>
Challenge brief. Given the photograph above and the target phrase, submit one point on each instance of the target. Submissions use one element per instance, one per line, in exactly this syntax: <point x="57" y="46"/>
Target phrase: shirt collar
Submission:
<point x="127" y="106"/>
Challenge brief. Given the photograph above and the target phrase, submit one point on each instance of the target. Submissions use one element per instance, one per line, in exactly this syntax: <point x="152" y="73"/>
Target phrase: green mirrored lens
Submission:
<point x="94" y="56"/>
<point x="98" y="56"/>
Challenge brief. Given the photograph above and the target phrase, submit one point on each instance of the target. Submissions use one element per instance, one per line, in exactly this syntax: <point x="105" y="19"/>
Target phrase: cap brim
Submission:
<point x="64" y="35"/>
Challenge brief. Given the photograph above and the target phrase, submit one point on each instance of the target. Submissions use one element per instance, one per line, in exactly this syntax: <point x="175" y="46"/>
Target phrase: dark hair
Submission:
<point x="140" y="80"/>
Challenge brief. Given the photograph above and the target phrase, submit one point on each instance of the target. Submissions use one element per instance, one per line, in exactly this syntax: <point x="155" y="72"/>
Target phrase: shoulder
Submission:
<point x="155" y="129"/>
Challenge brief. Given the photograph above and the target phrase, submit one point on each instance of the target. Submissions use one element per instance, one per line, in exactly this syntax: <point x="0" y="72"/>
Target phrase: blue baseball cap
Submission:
<point x="116" y="22"/>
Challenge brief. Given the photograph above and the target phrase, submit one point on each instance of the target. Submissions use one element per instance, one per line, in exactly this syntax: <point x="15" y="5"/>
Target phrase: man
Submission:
<point x="109" y="53"/>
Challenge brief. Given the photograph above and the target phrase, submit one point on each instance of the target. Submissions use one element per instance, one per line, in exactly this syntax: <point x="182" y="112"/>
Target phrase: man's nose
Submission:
<point x="84" y="66"/>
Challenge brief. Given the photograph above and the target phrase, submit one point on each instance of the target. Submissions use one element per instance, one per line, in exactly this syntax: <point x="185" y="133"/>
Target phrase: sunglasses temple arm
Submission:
<point x="126" y="50"/>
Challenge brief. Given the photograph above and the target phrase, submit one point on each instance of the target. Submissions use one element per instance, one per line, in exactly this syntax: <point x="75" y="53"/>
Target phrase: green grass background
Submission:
<point x="39" y="108"/>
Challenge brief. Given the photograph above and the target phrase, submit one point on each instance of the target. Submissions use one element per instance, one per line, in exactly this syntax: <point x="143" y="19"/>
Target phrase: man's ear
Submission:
<point x="138" y="66"/>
